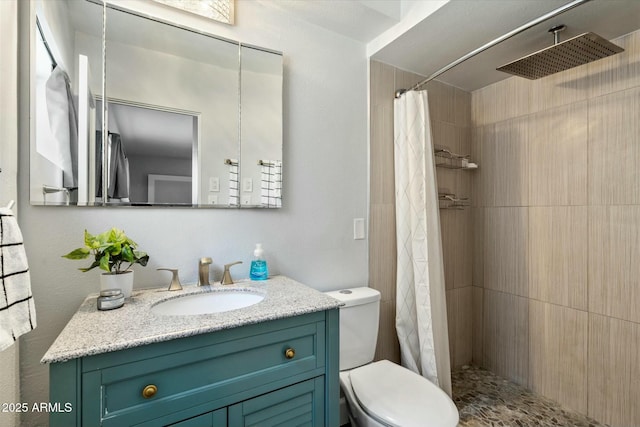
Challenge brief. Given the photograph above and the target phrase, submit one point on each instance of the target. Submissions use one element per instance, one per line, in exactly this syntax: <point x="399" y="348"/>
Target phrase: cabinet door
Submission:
<point x="212" y="419"/>
<point x="301" y="404"/>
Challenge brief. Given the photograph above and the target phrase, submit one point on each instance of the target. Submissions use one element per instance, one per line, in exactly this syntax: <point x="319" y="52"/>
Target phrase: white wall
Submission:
<point x="9" y="379"/>
<point x="310" y="239"/>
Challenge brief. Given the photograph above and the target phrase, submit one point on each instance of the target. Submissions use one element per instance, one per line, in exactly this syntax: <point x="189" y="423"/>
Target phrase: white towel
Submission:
<point x="17" y="310"/>
<point x="271" y="186"/>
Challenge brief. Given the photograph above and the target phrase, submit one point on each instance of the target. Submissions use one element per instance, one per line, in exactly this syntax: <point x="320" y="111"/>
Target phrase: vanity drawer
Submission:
<point x="203" y="378"/>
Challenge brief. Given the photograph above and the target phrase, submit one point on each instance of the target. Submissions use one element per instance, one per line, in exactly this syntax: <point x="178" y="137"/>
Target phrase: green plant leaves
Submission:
<point x="80" y="253"/>
<point x="111" y="249"/>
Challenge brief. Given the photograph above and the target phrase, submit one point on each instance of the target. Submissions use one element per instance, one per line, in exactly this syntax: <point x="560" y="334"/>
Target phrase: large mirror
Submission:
<point x="188" y="119"/>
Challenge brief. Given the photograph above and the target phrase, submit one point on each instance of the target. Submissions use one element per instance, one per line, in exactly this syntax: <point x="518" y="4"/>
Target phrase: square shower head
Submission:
<point x="570" y="53"/>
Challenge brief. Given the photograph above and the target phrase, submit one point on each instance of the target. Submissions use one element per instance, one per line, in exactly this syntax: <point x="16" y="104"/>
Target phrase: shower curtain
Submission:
<point x="421" y="315"/>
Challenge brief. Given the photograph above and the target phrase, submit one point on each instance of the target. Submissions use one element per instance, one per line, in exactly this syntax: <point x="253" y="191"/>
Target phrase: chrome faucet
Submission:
<point x="203" y="271"/>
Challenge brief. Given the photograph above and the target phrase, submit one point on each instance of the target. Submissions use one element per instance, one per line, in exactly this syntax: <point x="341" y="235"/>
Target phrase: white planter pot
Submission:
<point x="122" y="281"/>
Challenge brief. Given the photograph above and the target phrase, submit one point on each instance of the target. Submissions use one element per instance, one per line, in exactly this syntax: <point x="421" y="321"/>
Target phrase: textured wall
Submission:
<point x="556" y="224"/>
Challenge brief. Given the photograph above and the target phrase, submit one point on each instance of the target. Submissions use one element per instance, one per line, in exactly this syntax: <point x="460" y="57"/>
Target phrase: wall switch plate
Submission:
<point x="246" y="199"/>
<point x="214" y="183"/>
<point x="247" y="185"/>
<point x="358" y="229"/>
<point x="212" y="199"/>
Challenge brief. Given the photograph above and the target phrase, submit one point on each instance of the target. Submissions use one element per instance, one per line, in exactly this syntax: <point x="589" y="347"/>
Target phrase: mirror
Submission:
<point x="177" y="106"/>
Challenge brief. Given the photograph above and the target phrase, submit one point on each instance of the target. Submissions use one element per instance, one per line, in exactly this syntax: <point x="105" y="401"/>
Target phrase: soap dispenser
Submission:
<point x="258" y="269"/>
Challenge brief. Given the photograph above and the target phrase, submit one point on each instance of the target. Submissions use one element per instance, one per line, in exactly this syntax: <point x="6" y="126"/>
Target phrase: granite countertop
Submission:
<point x="91" y="332"/>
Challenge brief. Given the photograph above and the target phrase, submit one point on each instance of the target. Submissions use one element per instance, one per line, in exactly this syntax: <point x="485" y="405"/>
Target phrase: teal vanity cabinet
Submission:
<point x="275" y="373"/>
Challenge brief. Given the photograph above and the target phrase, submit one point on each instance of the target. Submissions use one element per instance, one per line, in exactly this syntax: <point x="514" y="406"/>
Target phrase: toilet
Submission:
<point x="382" y="394"/>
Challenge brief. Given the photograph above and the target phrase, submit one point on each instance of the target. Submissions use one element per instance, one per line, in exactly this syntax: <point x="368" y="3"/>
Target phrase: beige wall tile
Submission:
<point x="457" y="247"/>
<point x="452" y="309"/>
<point x="614" y="148"/>
<point x="464" y="327"/>
<point x="462" y="107"/>
<point x="382" y="84"/>
<point x="617" y="72"/>
<point x="460" y="324"/>
<point x="406" y="79"/>
<point x="558" y="255"/>
<point x="477" y="294"/>
<point x="382" y="251"/>
<point x="505" y="250"/>
<point x="441" y="101"/>
<point x="558" y="354"/>
<point x="506" y="335"/>
<point x="614" y="369"/>
<point x="381" y="177"/>
<point x="558" y="156"/>
<point x="449" y="246"/>
<point x="500" y="101"/>
<point x="477" y="215"/>
<point x="614" y="261"/>
<point x="504" y="169"/>
<point x="559" y="89"/>
<point x="463" y="272"/>
<point x="387" y="346"/>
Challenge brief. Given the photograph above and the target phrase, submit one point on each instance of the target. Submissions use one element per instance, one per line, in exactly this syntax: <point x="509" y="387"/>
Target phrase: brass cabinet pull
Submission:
<point x="289" y="353"/>
<point x="149" y="391"/>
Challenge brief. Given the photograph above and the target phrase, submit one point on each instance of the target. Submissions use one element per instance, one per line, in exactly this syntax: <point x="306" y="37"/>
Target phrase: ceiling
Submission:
<point x="461" y="26"/>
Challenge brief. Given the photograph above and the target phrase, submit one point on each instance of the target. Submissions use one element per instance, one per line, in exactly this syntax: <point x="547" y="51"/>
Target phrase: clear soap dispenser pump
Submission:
<point x="258" y="269"/>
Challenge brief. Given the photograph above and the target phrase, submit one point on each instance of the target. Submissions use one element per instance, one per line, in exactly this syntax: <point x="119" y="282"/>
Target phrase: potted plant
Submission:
<point x="114" y="253"/>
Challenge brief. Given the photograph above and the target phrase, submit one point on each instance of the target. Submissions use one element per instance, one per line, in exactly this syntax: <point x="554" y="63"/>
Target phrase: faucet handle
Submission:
<point x="175" y="280"/>
<point x="226" y="276"/>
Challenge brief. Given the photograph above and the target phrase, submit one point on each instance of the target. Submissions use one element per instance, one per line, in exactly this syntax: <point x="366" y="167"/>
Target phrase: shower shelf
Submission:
<point x="445" y="158"/>
<point x="449" y="200"/>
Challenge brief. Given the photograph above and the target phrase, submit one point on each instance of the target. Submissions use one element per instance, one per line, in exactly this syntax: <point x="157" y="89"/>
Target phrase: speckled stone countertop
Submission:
<point x="91" y="331"/>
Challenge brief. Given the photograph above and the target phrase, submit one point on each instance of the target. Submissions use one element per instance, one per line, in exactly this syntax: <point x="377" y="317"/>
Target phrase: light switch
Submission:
<point x="246" y="199"/>
<point x="214" y="183"/>
<point x="247" y="185"/>
<point x="358" y="229"/>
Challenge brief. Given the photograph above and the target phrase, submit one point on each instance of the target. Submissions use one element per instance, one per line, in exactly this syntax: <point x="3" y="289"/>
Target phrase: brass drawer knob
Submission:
<point x="149" y="391"/>
<point x="290" y="353"/>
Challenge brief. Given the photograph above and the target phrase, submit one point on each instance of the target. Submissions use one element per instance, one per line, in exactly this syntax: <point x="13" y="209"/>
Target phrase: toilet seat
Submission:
<point x="397" y="397"/>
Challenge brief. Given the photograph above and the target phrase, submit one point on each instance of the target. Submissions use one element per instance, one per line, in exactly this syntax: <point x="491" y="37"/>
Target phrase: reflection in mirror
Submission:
<point x="62" y="100"/>
<point x="261" y="128"/>
<point x="151" y="155"/>
<point x="169" y="69"/>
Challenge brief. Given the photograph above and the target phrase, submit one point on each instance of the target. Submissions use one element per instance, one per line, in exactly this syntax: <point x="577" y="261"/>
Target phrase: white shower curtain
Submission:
<point x="421" y="315"/>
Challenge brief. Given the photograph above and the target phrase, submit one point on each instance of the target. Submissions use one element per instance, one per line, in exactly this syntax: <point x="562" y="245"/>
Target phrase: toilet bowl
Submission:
<point x="382" y="393"/>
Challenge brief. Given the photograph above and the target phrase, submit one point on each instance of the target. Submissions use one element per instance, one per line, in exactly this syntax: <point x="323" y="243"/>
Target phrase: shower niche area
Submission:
<point x="541" y="241"/>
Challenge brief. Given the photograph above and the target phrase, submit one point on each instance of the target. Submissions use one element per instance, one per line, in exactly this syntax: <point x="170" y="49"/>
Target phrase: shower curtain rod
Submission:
<point x="494" y="42"/>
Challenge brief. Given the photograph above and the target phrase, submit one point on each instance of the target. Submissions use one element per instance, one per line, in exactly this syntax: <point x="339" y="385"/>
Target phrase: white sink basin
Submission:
<point x="207" y="302"/>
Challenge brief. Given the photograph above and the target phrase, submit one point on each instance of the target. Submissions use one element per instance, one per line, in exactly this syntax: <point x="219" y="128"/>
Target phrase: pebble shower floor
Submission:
<point x="484" y="399"/>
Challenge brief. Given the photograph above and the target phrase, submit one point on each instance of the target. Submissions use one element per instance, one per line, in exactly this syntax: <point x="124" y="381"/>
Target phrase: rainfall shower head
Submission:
<point x="571" y="53"/>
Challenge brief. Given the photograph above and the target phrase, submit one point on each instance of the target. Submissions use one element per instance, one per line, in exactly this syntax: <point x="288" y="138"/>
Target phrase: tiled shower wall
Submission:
<point x="451" y="124"/>
<point x="556" y="221"/>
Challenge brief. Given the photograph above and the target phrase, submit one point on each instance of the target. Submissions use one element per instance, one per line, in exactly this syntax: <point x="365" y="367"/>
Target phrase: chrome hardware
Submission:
<point x="175" y="280"/>
<point x="203" y="271"/>
<point x="289" y="353"/>
<point x="226" y="276"/>
<point x="149" y="391"/>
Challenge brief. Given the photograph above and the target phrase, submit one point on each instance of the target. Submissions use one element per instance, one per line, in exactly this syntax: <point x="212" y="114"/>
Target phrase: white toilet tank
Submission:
<point x="359" y="318"/>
